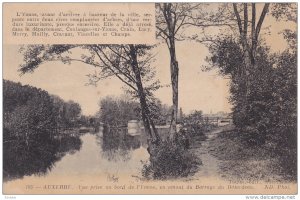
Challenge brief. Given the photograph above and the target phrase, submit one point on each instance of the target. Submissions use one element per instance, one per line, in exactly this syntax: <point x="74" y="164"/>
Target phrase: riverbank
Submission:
<point x="233" y="161"/>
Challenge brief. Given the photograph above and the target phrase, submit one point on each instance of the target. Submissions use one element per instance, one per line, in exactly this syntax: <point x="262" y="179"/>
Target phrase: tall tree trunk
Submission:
<point x="157" y="137"/>
<point x="174" y="79"/>
<point x="170" y="19"/>
<point x="248" y="68"/>
<point x="144" y="106"/>
<point x="249" y="48"/>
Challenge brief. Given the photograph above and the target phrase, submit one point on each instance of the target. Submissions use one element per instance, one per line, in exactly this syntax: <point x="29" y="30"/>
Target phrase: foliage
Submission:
<point x="193" y="124"/>
<point x="264" y="90"/>
<point x="159" y="112"/>
<point x="30" y="125"/>
<point x="170" y="160"/>
<point x="88" y="121"/>
<point x="108" y="60"/>
<point x="118" y="111"/>
<point x="173" y="159"/>
<point x="285" y="11"/>
<point x="131" y="64"/>
<point x="172" y="22"/>
<point x="68" y="113"/>
<point x="284" y="112"/>
<point x="268" y="115"/>
<point x="28" y="111"/>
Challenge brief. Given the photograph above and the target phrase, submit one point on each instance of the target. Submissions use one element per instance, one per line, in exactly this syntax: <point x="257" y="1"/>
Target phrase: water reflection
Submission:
<point x="116" y="144"/>
<point x="105" y="152"/>
<point x="36" y="155"/>
<point x="69" y="145"/>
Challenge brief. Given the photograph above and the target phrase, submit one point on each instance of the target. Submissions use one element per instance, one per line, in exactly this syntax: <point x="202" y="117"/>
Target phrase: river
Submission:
<point x="107" y="158"/>
<point x="93" y="158"/>
<point x="112" y="163"/>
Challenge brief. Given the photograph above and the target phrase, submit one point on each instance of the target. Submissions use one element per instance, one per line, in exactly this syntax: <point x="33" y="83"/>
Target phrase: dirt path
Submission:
<point x="210" y="164"/>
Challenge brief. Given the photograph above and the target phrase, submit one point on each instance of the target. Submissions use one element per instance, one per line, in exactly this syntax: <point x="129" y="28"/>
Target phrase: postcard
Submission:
<point x="150" y="98"/>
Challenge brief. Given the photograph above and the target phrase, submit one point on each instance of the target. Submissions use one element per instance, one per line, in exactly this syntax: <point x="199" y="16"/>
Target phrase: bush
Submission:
<point x="288" y="163"/>
<point x="192" y="126"/>
<point x="170" y="160"/>
<point x="252" y="136"/>
<point x="183" y="139"/>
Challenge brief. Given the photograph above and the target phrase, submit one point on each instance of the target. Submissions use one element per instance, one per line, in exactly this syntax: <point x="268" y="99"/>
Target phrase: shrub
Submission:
<point x="194" y="124"/>
<point x="170" y="160"/>
<point x="252" y="136"/>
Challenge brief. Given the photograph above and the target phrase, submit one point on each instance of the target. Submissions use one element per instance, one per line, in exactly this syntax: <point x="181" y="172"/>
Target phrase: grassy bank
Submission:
<point x="244" y="163"/>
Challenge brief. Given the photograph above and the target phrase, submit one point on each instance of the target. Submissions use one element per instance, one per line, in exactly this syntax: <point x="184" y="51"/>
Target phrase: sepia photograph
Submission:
<point x="198" y="98"/>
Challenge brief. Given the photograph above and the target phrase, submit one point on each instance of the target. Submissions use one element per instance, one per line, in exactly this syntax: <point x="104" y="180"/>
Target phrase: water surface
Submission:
<point x="111" y="157"/>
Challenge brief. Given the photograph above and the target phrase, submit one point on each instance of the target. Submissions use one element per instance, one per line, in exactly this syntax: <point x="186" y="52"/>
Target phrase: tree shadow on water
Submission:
<point x="36" y="155"/>
<point x="117" y="145"/>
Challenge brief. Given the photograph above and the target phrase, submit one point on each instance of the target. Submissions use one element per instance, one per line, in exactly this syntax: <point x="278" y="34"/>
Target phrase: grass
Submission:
<point x="241" y="162"/>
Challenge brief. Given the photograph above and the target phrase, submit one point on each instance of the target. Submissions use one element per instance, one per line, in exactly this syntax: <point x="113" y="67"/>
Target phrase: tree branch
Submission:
<point x="261" y="19"/>
<point x="253" y="24"/>
<point x="118" y="54"/>
<point x="245" y="19"/>
<point x="180" y="25"/>
<point x="163" y="31"/>
<point x="109" y="67"/>
<point x="253" y="39"/>
<point x="116" y="67"/>
<point x="237" y="15"/>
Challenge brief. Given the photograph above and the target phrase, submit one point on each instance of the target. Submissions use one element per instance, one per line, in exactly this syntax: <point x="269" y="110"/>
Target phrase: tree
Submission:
<point x="268" y="117"/>
<point x="285" y="11"/>
<point x="250" y="117"/>
<point x="243" y="67"/>
<point x="159" y="112"/>
<point x="118" y="111"/>
<point x="72" y="111"/>
<point x="284" y="109"/>
<point x="181" y="115"/>
<point x="68" y="113"/>
<point x="28" y="129"/>
<point x="194" y="123"/>
<point x="129" y="63"/>
<point x="30" y="112"/>
<point x="249" y="48"/>
<point x="253" y="63"/>
<point x="172" y="19"/>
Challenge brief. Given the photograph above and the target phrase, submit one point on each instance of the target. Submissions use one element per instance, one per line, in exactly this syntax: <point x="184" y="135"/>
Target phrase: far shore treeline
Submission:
<point x="32" y="121"/>
<point x="27" y="108"/>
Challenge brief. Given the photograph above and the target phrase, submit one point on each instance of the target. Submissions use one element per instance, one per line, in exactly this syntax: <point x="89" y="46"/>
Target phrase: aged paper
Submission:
<point x="90" y="95"/>
<point x="71" y="23"/>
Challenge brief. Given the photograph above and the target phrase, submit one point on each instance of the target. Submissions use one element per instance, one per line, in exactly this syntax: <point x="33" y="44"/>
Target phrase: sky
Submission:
<point x="198" y="90"/>
<point x="206" y="91"/>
